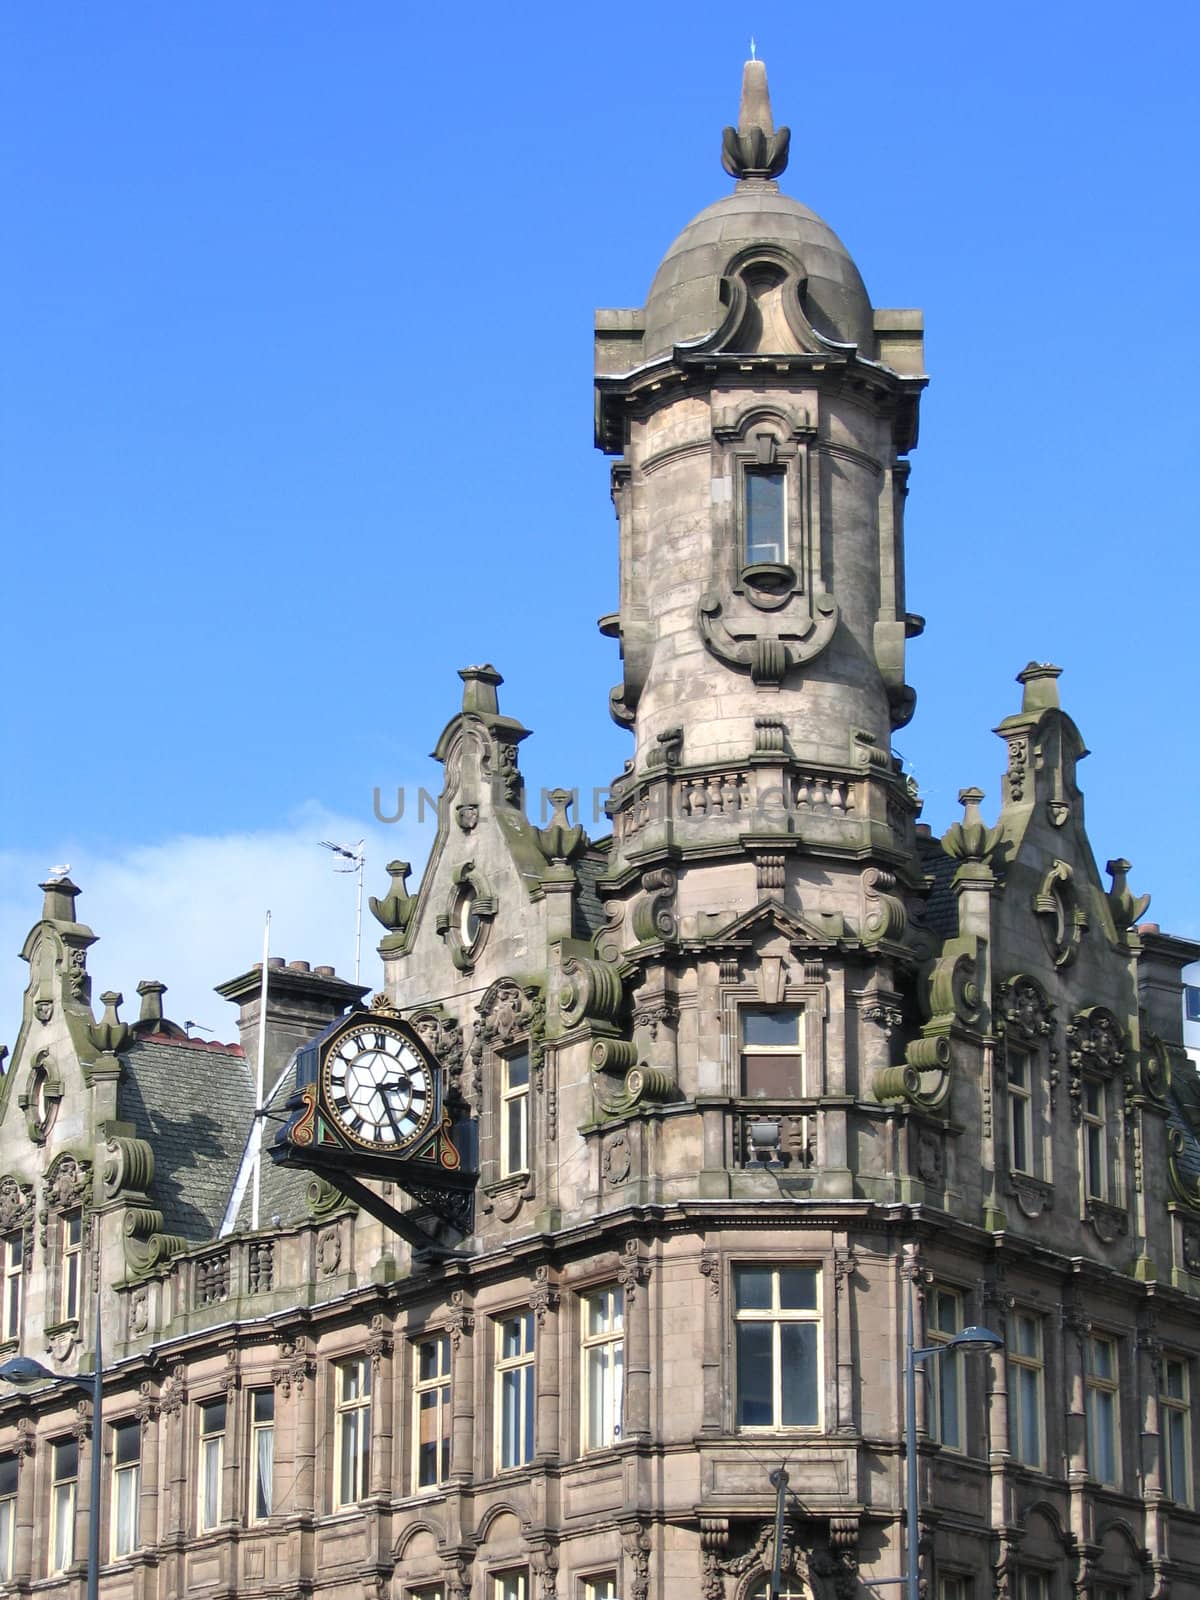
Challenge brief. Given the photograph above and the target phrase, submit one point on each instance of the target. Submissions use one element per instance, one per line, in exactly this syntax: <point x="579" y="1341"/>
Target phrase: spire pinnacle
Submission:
<point x="754" y="149"/>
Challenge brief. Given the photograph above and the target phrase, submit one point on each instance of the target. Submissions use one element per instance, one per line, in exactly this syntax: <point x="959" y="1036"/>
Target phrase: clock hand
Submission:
<point x="391" y="1116"/>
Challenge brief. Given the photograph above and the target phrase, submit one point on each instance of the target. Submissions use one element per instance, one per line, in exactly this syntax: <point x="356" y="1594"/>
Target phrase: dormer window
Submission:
<point x="766" y="516"/>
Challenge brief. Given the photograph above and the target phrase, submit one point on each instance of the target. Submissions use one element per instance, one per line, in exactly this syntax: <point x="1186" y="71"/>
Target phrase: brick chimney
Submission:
<point x="301" y="1002"/>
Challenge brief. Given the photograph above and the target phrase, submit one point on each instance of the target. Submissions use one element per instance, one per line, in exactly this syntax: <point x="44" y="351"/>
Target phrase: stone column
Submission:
<point x="294" y="1377"/>
<point x="844" y="1263"/>
<point x="712" y="1419"/>
<point x="543" y="1302"/>
<point x="462" y="1388"/>
<point x="1076" y="1329"/>
<point x="632" y="1274"/>
<point x="29" y="1502"/>
<point x="148" y="1504"/>
<point x="379" y="1350"/>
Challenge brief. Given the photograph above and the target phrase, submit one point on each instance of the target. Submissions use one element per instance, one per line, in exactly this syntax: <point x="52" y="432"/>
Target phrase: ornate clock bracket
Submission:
<point x="448" y="1202"/>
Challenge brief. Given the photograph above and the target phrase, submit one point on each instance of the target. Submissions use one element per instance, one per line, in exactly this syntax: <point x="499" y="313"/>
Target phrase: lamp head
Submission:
<point x="976" y="1338"/>
<point x="24" y="1370"/>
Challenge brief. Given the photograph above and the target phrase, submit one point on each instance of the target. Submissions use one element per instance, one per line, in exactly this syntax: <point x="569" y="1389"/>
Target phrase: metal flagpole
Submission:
<point x="258" y="1081"/>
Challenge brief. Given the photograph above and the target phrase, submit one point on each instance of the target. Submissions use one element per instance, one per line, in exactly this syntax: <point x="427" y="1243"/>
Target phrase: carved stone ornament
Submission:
<point x="394" y="910"/>
<point x="293" y="1367"/>
<point x="543" y="1296"/>
<point x="1031" y="1194"/>
<point x="441" y="1033"/>
<point x="929" y="1157"/>
<point x="467" y="919"/>
<point x="616" y="1162"/>
<point x="1062" y="920"/>
<point x="460" y="1320"/>
<point x="139" y="1311"/>
<point x="589" y="993"/>
<point x="1095" y="1048"/>
<point x="636" y="1542"/>
<point x="17" y="1212"/>
<point x="653" y="915"/>
<point x="544" y="1560"/>
<point x="710" y="1268"/>
<point x="329" y="1251"/>
<point x="1108" y="1222"/>
<point x="632" y="1270"/>
<point x="66" y="1185"/>
<point x="1023" y="1011"/>
<point x="41" y="1096"/>
<point x="172" y="1397"/>
<point x="379" y="1341"/>
<point x="1190" y="1250"/>
<point x="971" y="842"/>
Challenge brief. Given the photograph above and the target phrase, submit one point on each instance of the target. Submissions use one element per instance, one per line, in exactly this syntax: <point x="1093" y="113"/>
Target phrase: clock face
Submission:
<point x="377" y="1088"/>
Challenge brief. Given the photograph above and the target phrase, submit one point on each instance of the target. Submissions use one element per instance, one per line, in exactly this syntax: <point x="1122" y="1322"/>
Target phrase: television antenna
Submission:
<point x="354" y="855"/>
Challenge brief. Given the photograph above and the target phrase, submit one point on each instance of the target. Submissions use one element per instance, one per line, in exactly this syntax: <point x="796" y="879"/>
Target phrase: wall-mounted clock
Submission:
<point x="379" y="1085"/>
<point x="370" y="1103"/>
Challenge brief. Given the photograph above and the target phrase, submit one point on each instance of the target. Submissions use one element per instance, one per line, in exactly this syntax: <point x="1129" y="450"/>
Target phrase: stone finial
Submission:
<point x="971" y="842"/>
<point x="1040" y="682"/>
<point x="395" y="908"/>
<point x="559" y="841"/>
<point x="59" y="902"/>
<point x="110" y="1035"/>
<point x="1126" y="907"/>
<point x="479" y="689"/>
<point x="754" y="149"/>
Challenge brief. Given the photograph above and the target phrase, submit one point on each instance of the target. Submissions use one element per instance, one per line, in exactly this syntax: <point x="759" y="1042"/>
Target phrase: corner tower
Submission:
<point x="762" y="413"/>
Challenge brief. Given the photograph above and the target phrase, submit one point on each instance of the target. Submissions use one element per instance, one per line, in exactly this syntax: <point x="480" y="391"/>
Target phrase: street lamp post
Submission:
<point x="21" y="1371"/>
<point x="972" y="1338"/>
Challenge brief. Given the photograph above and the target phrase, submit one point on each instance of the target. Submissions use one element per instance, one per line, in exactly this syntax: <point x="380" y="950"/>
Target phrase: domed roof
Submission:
<point x="684" y="301"/>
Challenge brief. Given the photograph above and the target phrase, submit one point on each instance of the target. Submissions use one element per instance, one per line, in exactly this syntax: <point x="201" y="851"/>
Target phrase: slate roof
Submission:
<point x="281" y="1191"/>
<point x="941" y="913"/>
<point x="589" y="869"/>
<point x="193" y="1103"/>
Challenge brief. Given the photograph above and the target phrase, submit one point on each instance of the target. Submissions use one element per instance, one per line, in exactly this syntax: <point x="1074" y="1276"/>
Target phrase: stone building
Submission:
<point x="746" y="1075"/>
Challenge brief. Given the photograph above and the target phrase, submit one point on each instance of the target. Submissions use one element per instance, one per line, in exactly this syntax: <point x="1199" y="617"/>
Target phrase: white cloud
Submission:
<point x="189" y="911"/>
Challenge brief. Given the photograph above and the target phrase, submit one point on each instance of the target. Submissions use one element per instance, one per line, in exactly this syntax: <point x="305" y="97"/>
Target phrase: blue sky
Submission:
<point x="296" y="412"/>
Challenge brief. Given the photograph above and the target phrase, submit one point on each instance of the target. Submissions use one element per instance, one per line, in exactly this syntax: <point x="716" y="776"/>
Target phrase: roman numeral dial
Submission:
<point x="378" y="1085"/>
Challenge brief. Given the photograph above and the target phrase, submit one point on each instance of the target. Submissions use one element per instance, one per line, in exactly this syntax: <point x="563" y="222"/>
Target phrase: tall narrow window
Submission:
<point x="64" y="1481"/>
<point x="1101" y="1408"/>
<point x="603" y="1366"/>
<point x="947" y="1398"/>
<point x="514" y="1114"/>
<point x="513" y="1585"/>
<point x="126" y="1485"/>
<point x="1095" y="1140"/>
<point x="1033" y="1586"/>
<point x="426" y="1591"/>
<point x="352" y="1432"/>
<point x="262" y="1453"/>
<point x="431" y="1412"/>
<point x="766" y="515"/>
<point x="778" y="1328"/>
<point x="598" y="1586"/>
<point x="953" y="1588"/>
<point x="1027" y="1398"/>
<point x="1176" y="1430"/>
<point x="772" y="1053"/>
<point x="514" y="1390"/>
<point x="14" y="1265"/>
<point x="212" y="1464"/>
<point x="1020" y="1114"/>
<point x="72" y="1245"/>
<point x="8" y="1515"/>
